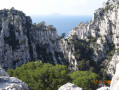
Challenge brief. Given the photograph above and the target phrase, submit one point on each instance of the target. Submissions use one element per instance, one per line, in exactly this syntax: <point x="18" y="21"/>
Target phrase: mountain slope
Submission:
<point x="102" y="34"/>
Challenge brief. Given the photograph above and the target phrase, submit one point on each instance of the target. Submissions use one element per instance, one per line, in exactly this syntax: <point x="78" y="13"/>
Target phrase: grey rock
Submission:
<point x="69" y="86"/>
<point x="104" y="27"/>
<point x="115" y="80"/>
<point x="11" y="83"/>
<point x="21" y="41"/>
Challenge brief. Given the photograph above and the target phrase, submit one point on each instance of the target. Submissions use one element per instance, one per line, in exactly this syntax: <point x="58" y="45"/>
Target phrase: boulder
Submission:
<point x="69" y="86"/>
<point x="11" y="83"/>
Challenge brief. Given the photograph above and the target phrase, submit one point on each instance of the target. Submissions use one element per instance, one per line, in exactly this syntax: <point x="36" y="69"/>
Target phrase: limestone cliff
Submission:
<point x="102" y="32"/>
<point x="115" y="80"/>
<point x="21" y="41"/>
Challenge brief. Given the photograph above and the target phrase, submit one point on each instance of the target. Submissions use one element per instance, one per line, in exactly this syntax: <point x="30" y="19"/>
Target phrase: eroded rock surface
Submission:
<point x="102" y="32"/>
<point x="69" y="86"/>
<point x="11" y="83"/>
<point x="22" y="41"/>
<point x="115" y="80"/>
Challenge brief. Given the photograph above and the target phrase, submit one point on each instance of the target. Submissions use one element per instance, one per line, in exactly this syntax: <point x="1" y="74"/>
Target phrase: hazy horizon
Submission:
<point x="46" y="7"/>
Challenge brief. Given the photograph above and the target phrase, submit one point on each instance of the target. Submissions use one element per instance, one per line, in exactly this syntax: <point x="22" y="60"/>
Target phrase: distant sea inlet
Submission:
<point x="63" y="24"/>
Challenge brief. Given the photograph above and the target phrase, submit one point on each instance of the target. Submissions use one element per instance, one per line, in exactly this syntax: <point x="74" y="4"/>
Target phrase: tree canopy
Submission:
<point x="40" y="76"/>
<point x="45" y="76"/>
<point x="85" y="79"/>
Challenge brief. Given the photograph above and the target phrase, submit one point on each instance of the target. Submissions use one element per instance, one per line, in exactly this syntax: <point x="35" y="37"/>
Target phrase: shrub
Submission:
<point x="39" y="76"/>
<point x="85" y="79"/>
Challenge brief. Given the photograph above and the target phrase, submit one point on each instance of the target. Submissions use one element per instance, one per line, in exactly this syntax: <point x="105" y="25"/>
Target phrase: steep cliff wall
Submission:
<point x="45" y="45"/>
<point x="102" y="33"/>
<point x="21" y="41"/>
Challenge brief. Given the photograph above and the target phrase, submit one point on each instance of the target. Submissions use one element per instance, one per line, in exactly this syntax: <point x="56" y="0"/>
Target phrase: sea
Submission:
<point x="63" y="24"/>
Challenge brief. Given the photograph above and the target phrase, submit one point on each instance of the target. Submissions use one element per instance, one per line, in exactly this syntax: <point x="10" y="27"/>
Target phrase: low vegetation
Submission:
<point x="45" y="76"/>
<point x="85" y="79"/>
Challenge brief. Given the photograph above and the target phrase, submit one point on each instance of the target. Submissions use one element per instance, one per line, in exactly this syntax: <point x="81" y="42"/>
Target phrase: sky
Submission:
<point x="49" y="7"/>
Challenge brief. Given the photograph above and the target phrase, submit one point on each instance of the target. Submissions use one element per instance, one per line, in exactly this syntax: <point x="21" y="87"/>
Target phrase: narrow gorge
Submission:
<point x="91" y="46"/>
<point x="21" y="41"/>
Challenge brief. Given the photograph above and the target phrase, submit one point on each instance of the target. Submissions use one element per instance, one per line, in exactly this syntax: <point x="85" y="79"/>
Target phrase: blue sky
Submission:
<point x="48" y="7"/>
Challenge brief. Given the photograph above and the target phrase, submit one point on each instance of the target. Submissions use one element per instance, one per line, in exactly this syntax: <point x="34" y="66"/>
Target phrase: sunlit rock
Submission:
<point x="69" y="86"/>
<point x="11" y="83"/>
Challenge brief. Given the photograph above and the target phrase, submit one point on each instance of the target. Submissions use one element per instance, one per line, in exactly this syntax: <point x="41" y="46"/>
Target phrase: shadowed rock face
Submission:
<point x="11" y="83"/>
<point x="21" y="41"/>
<point x="115" y="80"/>
<point x="69" y="86"/>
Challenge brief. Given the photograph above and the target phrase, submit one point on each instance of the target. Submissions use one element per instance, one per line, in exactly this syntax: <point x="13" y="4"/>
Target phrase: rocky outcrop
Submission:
<point x="21" y="41"/>
<point x="11" y="83"/>
<point x="69" y="53"/>
<point x="45" y="44"/>
<point x="69" y="86"/>
<point x="115" y="80"/>
<point x="102" y="32"/>
<point x="112" y="64"/>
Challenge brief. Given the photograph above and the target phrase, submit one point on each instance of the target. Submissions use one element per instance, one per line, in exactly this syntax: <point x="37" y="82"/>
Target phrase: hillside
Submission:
<point x="101" y="34"/>
<point x="94" y="43"/>
<point x="90" y="52"/>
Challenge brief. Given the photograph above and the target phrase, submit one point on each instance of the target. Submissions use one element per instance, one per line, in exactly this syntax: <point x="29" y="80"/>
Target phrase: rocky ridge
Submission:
<point x="102" y="33"/>
<point x="21" y="41"/>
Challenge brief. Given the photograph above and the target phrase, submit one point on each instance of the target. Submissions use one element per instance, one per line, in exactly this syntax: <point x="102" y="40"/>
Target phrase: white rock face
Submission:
<point x="112" y="65"/>
<point x="69" y="54"/>
<point x="104" y="28"/>
<point x="21" y="41"/>
<point x="115" y="80"/>
<point x="11" y="83"/>
<point x="69" y="86"/>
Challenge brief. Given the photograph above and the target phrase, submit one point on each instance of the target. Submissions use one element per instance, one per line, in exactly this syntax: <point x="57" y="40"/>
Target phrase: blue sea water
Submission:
<point x="63" y="24"/>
